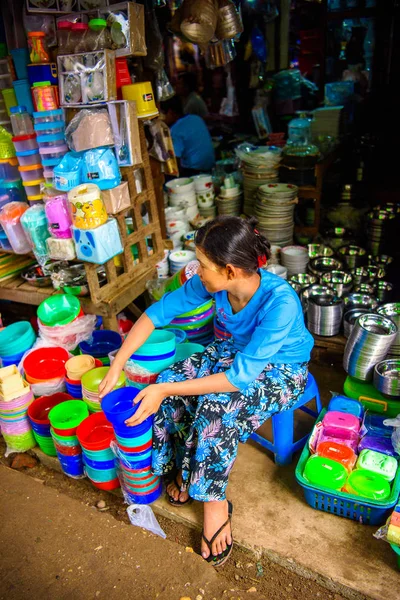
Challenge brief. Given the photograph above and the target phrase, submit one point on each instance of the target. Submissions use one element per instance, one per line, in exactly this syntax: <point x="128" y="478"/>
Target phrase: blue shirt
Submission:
<point x="269" y="329"/>
<point x="192" y="143"/>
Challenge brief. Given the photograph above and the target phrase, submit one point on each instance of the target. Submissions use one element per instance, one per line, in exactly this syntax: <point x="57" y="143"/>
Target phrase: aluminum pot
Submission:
<point x="392" y="311"/>
<point x="324" y="264"/>
<point x="360" y="301"/>
<point x="387" y="377"/>
<point x="350" y="318"/>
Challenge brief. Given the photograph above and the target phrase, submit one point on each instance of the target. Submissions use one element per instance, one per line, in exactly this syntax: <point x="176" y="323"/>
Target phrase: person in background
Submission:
<point x="191" y="138"/>
<point x="193" y="104"/>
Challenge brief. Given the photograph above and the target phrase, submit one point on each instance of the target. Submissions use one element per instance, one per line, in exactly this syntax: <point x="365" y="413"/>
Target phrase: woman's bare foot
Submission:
<point x="175" y="492"/>
<point x="215" y="515"/>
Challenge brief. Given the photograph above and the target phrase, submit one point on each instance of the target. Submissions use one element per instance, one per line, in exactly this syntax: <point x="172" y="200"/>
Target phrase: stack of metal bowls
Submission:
<point x="350" y="318"/>
<point x="317" y="250"/>
<point x="338" y="236"/>
<point x="360" y="275"/>
<point x="380" y="226"/>
<point x="312" y="291"/>
<point x="387" y="377"/>
<point x="364" y="288"/>
<point x="367" y="345"/>
<point x="340" y="281"/>
<point x="392" y="311"/>
<point x="375" y="273"/>
<point x="383" y="260"/>
<point x="360" y="301"/>
<point x="383" y="291"/>
<point x="324" y="314"/>
<point x="301" y="281"/>
<point x="353" y="256"/>
<point x="323" y="264"/>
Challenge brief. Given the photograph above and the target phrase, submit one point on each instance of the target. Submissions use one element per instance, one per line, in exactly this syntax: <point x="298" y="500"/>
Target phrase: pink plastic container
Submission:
<point x="25" y="142"/>
<point x="30" y="157"/>
<point x="353" y="443"/>
<point x="53" y="151"/>
<point x="341" y="425"/>
<point x="58" y="216"/>
<point x="32" y="188"/>
<point x="31" y="172"/>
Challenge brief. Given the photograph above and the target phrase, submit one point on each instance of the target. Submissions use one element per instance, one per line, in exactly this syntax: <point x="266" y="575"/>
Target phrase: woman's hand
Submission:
<point x="150" y="398"/>
<point x="110" y="380"/>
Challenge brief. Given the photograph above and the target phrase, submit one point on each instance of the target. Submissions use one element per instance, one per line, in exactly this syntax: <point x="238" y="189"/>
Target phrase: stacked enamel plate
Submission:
<point x="274" y="210"/>
<point x="259" y="166"/>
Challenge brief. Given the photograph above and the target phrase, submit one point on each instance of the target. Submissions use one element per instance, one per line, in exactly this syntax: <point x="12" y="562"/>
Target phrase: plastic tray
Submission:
<point x="345" y="505"/>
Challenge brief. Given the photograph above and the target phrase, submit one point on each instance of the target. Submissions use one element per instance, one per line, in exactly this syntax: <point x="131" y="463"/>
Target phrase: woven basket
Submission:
<point x="229" y="23"/>
<point x="199" y="20"/>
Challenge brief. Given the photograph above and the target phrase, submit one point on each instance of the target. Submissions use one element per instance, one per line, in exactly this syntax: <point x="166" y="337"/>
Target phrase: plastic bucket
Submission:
<point x="100" y="455"/>
<point x="180" y="335"/>
<point x="137" y="440"/>
<point x="185" y="351"/>
<point x="100" y="465"/>
<point x="159" y="342"/>
<point x="16" y="338"/>
<point x="57" y="310"/>
<point x="71" y="466"/>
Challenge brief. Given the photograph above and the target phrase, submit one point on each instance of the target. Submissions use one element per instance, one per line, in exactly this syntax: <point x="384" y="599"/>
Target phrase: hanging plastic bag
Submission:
<point x="68" y="336"/>
<point x="395" y="423"/>
<point x="143" y="516"/>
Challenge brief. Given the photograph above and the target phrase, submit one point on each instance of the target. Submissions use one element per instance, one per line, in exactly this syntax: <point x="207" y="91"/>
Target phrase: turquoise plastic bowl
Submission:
<point x="16" y="337"/>
<point x="159" y="342"/>
<point x="101" y="475"/>
<point x="155" y="366"/>
<point x="184" y="351"/>
<point x="99" y="455"/>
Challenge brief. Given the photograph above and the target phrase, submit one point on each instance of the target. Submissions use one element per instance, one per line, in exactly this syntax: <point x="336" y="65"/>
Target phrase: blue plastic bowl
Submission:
<point x="100" y="475"/>
<point x="102" y="343"/>
<point x="136" y="457"/>
<point x="124" y="431"/>
<point x="144" y="463"/>
<point x="100" y="465"/>
<point x="118" y="405"/>
<point x="41" y="429"/>
<point x="71" y="465"/>
<point x="146" y="498"/>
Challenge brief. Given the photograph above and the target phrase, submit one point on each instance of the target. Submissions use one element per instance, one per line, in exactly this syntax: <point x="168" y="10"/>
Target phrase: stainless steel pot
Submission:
<point x="387" y="377"/>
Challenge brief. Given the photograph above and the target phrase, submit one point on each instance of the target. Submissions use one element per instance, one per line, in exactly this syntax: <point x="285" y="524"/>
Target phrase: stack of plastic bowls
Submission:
<point x="59" y="310"/>
<point x="90" y="387"/>
<point x="95" y="435"/>
<point x="134" y="447"/>
<point x="155" y="355"/>
<point x="64" y="420"/>
<point x="198" y="324"/>
<point x="38" y="413"/>
<point x="15" y="340"/>
<point x="101" y="344"/>
<point x="184" y="351"/>
<point x="75" y="367"/>
<point x="45" y="364"/>
<point x="14" y="422"/>
<point x="180" y="335"/>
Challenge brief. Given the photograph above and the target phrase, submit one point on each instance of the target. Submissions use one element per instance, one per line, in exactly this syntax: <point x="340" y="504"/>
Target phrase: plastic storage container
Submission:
<point x="88" y="210"/>
<point x="21" y="121"/>
<point x="341" y="425"/>
<point x="23" y="93"/>
<point x="43" y="72"/>
<point x="52" y="139"/>
<point x="58" y="214"/>
<point x="379" y="463"/>
<point x="64" y="37"/>
<point x="25" y="142"/>
<point x="38" y="52"/>
<point x="10" y="98"/>
<point x="29" y="157"/>
<point x="56" y="127"/>
<point x="32" y="188"/>
<point x="34" y="223"/>
<point x="31" y="172"/>
<point x="8" y="168"/>
<point x="368" y="485"/>
<point x="51" y="155"/>
<point x="45" y="96"/>
<point x="325" y="472"/>
<point x="346" y="405"/>
<point x="49" y="116"/>
<point x="10" y="219"/>
<point x="338" y="452"/>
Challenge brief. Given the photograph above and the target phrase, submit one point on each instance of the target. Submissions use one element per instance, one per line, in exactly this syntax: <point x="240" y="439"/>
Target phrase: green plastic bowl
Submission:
<point x="92" y="379"/>
<point x="199" y="310"/>
<point x="68" y="415"/>
<point x="57" y="310"/>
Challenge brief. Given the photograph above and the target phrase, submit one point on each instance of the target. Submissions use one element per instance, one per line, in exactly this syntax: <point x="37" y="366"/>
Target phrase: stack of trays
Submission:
<point x="15" y="398"/>
<point x="95" y="435"/>
<point x="274" y="209"/>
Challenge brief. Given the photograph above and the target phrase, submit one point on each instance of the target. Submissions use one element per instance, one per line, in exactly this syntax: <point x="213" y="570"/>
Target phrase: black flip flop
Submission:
<point x="178" y="502"/>
<point x="220" y="559"/>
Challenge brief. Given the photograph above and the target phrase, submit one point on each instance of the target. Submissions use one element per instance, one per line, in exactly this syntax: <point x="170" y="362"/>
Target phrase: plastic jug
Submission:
<point x="58" y="213"/>
<point x="341" y="425"/>
<point x="324" y="472"/>
<point x="379" y="463"/>
<point x="367" y="484"/>
<point x="339" y="453"/>
<point x="346" y="405"/>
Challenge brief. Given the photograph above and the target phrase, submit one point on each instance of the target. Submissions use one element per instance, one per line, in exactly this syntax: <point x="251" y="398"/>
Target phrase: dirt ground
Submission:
<point x="242" y="573"/>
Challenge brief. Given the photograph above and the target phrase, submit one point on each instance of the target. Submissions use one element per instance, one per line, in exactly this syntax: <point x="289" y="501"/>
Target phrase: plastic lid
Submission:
<point x="79" y="27"/>
<point x="13" y="183"/>
<point x="36" y="34"/>
<point x="11" y="161"/>
<point x="52" y="125"/>
<point x="64" y="25"/>
<point x="41" y="84"/>
<point x="53" y="149"/>
<point x="18" y="109"/>
<point x="48" y="113"/>
<point x="30" y="183"/>
<point x="13" y="210"/>
<point x="51" y="137"/>
<point x="35" y="198"/>
<point x="29" y="168"/>
<point x="23" y="138"/>
<point x="28" y="152"/>
<point x="97" y="24"/>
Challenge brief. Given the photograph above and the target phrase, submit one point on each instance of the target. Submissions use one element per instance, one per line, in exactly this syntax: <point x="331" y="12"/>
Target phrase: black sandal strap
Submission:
<point x="216" y="534"/>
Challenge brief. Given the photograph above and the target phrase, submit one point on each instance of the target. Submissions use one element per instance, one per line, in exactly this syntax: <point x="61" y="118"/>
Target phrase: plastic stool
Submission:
<point x="283" y="446"/>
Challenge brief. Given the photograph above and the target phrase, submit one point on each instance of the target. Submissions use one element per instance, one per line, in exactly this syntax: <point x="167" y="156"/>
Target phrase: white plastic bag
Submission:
<point x="68" y="336"/>
<point x="143" y="516"/>
<point x="395" y="423"/>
